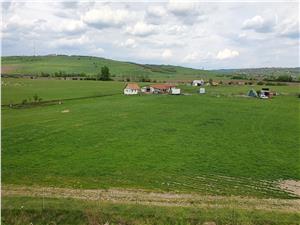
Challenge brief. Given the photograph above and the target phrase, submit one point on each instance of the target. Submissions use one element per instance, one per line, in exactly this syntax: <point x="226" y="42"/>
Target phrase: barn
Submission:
<point x="162" y="88"/>
<point x="132" y="89"/>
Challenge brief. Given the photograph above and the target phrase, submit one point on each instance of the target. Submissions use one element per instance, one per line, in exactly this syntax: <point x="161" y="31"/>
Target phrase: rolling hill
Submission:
<point x="51" y="64"/>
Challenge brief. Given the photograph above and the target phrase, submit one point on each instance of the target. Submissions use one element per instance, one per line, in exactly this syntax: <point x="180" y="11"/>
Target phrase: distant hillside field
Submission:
<point x="36" y="65"/>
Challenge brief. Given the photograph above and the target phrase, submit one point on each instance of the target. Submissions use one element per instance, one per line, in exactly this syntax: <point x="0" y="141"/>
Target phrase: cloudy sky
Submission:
<point x="209" y="35"/>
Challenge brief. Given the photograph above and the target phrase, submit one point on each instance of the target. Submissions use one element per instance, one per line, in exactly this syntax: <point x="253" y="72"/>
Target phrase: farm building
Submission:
<point x="147" y="90"/>
<point x="161" y="88"/>
<point x="252" y="93"/>
<point x="202" y="91"/>
<point x="131" y="89"/>
<point x="198" y="82"/>
<point x="175" y="91"/>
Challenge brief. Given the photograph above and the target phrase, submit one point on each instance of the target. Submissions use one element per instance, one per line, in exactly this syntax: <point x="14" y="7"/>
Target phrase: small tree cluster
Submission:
<point x="35" y="98"/>
<point x="104" y="75"/>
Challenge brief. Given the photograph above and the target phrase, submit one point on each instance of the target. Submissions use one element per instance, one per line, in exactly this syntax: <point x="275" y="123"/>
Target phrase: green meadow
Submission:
<point x="35" y="65"/>
<point x="220" y="143"/>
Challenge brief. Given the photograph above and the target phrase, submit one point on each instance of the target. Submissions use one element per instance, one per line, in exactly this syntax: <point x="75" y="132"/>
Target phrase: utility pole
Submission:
<point x="34" y="50"/>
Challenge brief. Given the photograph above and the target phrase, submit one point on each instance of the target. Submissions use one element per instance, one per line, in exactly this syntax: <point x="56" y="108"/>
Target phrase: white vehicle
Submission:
<point x="262" y="96"/>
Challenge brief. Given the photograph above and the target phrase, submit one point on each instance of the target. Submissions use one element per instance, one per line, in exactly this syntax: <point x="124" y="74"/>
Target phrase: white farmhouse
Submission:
<point x="131" y="89"/>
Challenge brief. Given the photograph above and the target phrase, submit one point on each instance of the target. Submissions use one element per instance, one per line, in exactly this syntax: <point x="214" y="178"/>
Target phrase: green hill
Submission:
<point x="90" y="66"/>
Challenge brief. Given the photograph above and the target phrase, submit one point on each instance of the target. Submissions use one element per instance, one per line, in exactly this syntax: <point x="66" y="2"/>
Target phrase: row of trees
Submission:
<point x="103" y="75"/>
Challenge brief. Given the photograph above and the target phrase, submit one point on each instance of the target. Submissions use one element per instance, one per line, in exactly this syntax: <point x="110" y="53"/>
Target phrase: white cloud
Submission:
<point x="157" y="11"/>
<point x="190" y="57"/>
<point x="289" y="28"/>
<point x="181" y="8"/>
<point x="107" y="17"/>
<point x="167" y="53"/>
<point x="141" y="29"/>
<point x="227" y="54"/>
<point x="129" y="43"/>
<point x="71" y="27"/>
<point x="259" y="24"/>
<point x="176" y="29"/>
<point x="71" y="42"/>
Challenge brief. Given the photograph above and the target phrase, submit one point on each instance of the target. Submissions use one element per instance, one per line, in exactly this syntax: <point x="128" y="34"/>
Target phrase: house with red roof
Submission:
<point x="162" y="88"/>
<point x="132" y="89"/>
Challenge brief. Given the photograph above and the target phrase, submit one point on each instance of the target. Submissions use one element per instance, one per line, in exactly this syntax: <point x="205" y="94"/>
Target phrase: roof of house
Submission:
<point x="162" y="86"/>
<point x="133" y="86"/>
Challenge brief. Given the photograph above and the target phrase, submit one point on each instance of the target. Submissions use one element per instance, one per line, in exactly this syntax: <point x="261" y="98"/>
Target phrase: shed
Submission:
<point x="175" y="91"/>
<point x="202" y="91"/>
<point x="198" y="82"/>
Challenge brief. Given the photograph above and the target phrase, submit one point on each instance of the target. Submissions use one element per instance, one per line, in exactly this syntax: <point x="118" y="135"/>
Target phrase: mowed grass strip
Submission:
<point x="207" y="144"/>
<point x="26" y="210"/>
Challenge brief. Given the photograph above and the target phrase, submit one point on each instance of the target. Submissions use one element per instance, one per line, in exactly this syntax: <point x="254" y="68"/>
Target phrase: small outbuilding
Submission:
<point x="175" y="91"/>
<point x="132" y="89"/>
<point x="198" y="82"/>
<point x="202" y="91"/>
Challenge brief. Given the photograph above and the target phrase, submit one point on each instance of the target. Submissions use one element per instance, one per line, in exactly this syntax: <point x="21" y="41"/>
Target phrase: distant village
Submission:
<point x="172" y="89"/>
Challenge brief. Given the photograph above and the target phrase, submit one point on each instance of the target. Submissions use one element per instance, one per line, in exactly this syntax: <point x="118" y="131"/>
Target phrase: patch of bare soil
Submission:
<point x="7" y="69"/>
<point x="137" y="196"/>
<point x="291" y="186"/>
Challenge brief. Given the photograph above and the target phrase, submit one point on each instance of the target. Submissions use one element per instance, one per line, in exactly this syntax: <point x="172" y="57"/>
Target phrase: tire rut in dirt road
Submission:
<point x="137" y="196"/>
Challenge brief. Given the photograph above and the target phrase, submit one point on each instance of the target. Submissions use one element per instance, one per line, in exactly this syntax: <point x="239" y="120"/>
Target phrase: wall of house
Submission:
<point x="130" y="91"/>
<point x="175" y="91"/>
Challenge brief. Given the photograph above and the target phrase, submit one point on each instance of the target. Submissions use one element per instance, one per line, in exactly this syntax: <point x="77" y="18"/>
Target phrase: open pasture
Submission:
<point x="211" y="144"/>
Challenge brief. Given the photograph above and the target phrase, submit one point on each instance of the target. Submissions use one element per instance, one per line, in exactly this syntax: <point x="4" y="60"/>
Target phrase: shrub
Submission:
<point x="285" y="78"/>
<point x="35" y="98"/>
<point x="260" y="83"/>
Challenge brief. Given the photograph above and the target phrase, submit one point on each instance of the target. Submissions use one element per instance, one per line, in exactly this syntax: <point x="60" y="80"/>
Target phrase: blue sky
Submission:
<point x="209" y="35"/>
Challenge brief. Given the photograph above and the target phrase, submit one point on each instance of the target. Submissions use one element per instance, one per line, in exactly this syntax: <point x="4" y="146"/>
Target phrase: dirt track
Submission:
<point x="133" y="196"/>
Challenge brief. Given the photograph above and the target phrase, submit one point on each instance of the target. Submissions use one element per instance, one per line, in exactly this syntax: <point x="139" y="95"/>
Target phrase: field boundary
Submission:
<point x="53" y="102"/>
<point x="145" y="197"/>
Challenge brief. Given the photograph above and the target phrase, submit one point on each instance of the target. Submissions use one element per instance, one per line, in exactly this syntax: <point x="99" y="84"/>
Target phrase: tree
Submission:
<point x="104" y="75"/>
<point x="285" y="78"/>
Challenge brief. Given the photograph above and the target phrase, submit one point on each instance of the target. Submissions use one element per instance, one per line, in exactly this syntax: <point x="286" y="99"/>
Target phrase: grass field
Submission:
<point x="214" y="144"/>
<point x="21" y="210"/>
<point x="35" y="65"/>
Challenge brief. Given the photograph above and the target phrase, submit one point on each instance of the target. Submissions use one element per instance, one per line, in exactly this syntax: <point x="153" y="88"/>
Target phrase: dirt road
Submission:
<point x="137" y="196"/>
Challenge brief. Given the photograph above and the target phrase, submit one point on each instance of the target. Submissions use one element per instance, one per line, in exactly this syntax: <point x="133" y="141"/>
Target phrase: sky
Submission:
<point x="208" y="35"/>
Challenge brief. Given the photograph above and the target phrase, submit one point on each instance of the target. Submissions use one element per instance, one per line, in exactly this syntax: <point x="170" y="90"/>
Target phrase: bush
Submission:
<point x="260" y="83"/>
<point x="285" y="78"/>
